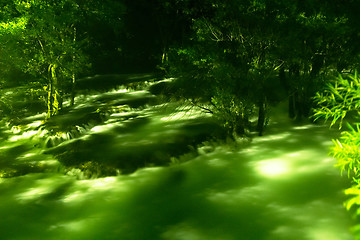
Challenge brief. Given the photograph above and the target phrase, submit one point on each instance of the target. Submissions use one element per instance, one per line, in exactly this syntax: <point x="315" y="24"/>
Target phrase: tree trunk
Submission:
<point x="299" y="101"/>
<point x="238" y="131"/>
<point x="283" y="80"/>
<point x="54" y="102"/>
<point x="292" y="106"/>
<point x="261" y="119"/>
<point x="49" y="98"/>
<point x="73" y="80"/>
<point x="72" y="101"/>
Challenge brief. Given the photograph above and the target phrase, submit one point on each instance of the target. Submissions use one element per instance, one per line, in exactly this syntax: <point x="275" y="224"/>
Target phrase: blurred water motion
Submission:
<point x="278" y="187"/>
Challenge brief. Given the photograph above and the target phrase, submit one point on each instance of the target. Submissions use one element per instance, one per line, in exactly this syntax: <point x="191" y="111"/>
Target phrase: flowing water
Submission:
<point x="281" y="186"/>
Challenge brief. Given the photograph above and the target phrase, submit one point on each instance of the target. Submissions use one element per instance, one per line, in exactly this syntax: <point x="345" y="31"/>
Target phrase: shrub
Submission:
<point x="340" y="102"/>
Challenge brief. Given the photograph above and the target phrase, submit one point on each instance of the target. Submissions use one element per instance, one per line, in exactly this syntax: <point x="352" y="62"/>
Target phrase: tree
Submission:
<point x="46" y="45"/>
<point x="231" y="61"/>
<point x="251" y="50"/>
<point x="50" y="39"/>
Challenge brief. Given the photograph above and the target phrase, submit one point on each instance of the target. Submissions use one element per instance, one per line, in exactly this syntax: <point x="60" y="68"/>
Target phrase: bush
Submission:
<point x="340" y="99"/>
<point x="340" y="102"/>
<point x="234" y="113"/>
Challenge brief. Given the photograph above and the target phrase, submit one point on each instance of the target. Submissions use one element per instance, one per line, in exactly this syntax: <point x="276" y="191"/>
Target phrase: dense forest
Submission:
<point x="99" y="88"/>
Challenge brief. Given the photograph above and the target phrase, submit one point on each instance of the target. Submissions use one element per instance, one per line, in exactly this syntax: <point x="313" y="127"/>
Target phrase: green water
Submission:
<point x="281" y="186"/>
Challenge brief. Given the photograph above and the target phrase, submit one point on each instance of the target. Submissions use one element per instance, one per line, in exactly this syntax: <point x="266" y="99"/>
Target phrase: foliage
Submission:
<point x="346" y="151"/>
<point x="258" y="47"/>
<point x="354" y="201"/>
<point x="339" y="99"/>
<point x="47" y="40"/>
<point x="226" y="63"/>
<point x="45" y="45"/>
<point x="336" y="102"/>
<point x="234" y="113"/>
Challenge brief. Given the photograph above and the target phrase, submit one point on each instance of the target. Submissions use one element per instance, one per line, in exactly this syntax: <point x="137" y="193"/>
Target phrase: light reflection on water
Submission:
<point x="272" y="168"/>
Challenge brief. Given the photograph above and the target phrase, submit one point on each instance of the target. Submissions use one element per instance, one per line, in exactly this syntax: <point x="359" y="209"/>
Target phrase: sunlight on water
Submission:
<point x="102" y="183"/>
<point x="273" y="137"/>
<point x="81" y="105"/>
<point x="6" y="147"/>
<point x="122" y="114"/>
<point x="248" y="196"/>
<point x="72" y="226"/>
<point x="216" y="162"/>
<point x="145" y="172"/>
<point x="27" y="155"/>
<point x="287" y="232"/>
<point x="139" y="93"/>
<point x="83" y="189"/>
<point x="185" y="232"/>
<point x="34" y="193"/>
<point x="185" y="114"/>
<point x="272" y="168"/>
<point x="74" y="197"/>
<point x="15" y="129"/>
<point x="308" y="126"/>
<point x="25" y="135"/>
<point x="34" y="124"/>
<point x="120" y="90"/>
<point x="293" y="163"/>
<point x="316" y="220"/>
<point x="103" y="128"/>
<point x="164" y="80"/>
<point x="325" y="232"/>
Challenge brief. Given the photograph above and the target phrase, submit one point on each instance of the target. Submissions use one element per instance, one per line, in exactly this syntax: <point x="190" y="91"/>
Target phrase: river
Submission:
<point x="279" y="186"/>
